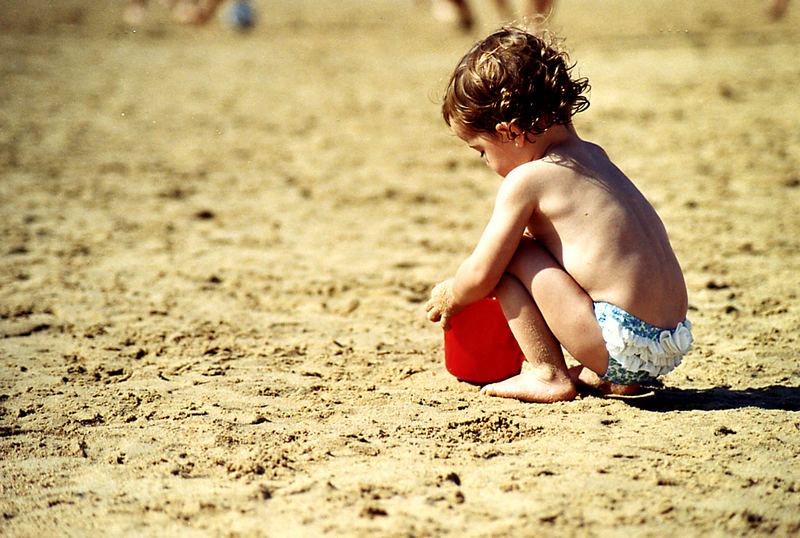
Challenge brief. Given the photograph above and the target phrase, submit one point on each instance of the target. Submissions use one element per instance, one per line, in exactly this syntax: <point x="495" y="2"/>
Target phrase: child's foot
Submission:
<point x="530" y="387"/>
<point x="583" y="376"/>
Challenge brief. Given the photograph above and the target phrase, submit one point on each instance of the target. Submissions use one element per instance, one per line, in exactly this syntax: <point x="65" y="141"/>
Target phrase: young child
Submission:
<point x="575" y="254"/>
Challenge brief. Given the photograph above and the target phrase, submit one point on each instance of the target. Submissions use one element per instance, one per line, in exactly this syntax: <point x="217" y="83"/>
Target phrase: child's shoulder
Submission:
<point x="536" y="172"/>
<point x="563" y="173"/>
<point x="528" y="183"/>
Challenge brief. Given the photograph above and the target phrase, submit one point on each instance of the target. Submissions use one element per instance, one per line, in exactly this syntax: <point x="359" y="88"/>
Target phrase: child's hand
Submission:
<point x="441" y="306"/>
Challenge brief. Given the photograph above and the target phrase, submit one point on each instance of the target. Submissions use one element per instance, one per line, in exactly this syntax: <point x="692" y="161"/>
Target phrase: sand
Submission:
<point x="216" y="249"/>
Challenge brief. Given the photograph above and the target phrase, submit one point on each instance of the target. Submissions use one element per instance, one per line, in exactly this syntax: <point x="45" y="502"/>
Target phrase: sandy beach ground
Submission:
<point x="216" y="250"/>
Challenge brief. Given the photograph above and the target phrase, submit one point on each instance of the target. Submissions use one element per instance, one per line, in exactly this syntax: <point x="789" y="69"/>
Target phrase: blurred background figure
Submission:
<point x="459" y="10"/>
<point x="183" y="11"/>
<point x="777" y="8"/>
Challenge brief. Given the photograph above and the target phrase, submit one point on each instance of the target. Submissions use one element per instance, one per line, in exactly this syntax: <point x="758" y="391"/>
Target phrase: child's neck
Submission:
<point x="554" y="136"/>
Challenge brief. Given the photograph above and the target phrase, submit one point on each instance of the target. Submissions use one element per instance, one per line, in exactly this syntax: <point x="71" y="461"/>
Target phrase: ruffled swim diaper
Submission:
<point x="637" y="351"/>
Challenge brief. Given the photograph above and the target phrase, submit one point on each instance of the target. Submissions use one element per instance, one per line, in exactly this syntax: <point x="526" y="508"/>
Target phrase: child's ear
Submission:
<point x="509" y="131"/>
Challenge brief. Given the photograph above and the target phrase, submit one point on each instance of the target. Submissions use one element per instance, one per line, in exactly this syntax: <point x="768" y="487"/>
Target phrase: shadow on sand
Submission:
<point x="720" y="398"/>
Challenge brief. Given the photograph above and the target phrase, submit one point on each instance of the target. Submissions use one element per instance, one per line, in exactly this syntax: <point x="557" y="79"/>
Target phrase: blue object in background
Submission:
<point x="242" y="15"/>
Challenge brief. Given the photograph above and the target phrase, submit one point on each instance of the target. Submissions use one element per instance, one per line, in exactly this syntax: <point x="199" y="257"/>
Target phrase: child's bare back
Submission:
<point x="605" y="234"/>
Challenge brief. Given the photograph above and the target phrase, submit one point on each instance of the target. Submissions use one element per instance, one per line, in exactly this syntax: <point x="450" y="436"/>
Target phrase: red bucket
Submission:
<point x="479" y="346"/>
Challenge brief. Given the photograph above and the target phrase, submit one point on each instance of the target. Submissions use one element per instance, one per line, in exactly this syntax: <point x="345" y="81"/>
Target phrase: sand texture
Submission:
<point x="215" y="251"/>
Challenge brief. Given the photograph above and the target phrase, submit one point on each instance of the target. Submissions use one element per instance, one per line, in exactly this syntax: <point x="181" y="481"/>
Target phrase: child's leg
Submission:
<point x="566" y="307"/>
<point x="568" y="312"/>
<point x="547" y="379"/>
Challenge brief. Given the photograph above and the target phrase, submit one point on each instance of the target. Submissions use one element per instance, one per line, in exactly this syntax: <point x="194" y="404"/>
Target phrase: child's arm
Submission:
<point x="481" y="271"/>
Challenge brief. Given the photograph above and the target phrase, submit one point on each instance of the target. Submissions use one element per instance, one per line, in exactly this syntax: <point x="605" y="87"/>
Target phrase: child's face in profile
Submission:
<point x="499" y="152"/>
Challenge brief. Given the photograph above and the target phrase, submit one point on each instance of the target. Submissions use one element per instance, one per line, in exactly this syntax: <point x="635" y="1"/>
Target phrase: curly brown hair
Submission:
<point x="514" y="77"/>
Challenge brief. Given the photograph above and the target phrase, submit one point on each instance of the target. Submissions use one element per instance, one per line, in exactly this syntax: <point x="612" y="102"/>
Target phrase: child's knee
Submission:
<point x="507" y="286"/>
<point x="531" y="258"/>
